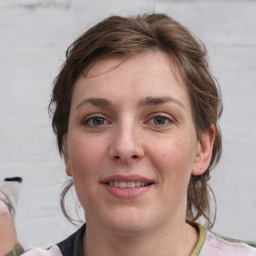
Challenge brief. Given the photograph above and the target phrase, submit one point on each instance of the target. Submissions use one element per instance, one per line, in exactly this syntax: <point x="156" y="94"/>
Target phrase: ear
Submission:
<point x="204" y="151"/>
<point x="66" y="156"/>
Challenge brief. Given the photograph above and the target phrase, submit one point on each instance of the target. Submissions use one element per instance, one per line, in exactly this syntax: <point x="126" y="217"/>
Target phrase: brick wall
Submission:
<point x="34" y="36"/>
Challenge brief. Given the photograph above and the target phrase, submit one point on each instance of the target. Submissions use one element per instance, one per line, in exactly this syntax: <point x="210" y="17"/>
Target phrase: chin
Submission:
<point x="128" y="229"/>
<point x="129" y="223"/>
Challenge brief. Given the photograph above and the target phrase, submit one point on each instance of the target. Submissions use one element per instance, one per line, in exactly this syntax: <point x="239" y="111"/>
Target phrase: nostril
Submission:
<point x="132" y="157"/>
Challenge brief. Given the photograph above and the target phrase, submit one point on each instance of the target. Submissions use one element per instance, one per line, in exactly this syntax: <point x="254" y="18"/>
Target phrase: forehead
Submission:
<point x="109" y="64"/>
<point x="151" y="73"/>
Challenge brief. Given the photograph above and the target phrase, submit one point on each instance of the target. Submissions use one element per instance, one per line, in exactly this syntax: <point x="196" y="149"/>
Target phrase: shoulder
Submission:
<point x="215" y="244"/>
<point x="53" y="251"/>
<point x="73" y="245"/>
<point x="236" y="241"/>
<point x="18" y="250"/>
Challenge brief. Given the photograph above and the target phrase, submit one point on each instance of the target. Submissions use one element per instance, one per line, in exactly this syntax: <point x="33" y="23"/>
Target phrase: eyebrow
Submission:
<point x="96" y="102"/>
<point x="142" y="103"/>
<point x="159" y="100"/>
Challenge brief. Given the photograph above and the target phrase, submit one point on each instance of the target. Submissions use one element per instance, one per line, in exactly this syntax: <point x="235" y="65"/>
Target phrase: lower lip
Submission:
<point x="127" y="193"/>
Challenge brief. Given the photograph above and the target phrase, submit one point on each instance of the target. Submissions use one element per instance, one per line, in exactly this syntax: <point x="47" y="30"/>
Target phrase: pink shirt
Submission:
<point x="216" y="246"/>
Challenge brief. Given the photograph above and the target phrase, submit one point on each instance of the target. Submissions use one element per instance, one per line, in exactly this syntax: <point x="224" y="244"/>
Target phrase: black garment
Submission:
<point x="73" y="245"/>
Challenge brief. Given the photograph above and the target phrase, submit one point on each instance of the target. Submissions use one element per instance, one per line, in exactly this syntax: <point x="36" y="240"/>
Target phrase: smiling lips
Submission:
<point x="130" y="184"/>
<point x="127" y="186"/>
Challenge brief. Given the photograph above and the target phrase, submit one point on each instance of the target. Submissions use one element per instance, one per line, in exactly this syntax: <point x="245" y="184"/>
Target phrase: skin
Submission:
<point x="133" y="134"/>
<point x="8" y="236"/>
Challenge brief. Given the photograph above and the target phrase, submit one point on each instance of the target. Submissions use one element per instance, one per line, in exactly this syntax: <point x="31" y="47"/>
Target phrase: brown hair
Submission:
<point x="120" y="36"/>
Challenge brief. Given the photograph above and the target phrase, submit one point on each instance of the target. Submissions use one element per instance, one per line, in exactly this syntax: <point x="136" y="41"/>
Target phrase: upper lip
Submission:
<point x="126" y="178"/>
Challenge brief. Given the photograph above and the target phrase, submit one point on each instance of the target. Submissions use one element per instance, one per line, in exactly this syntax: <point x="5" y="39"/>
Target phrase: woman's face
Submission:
<point x="131" y="145"/>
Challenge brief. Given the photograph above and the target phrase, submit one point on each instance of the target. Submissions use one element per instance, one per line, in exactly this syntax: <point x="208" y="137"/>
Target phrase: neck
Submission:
<point x="162" y="241"/>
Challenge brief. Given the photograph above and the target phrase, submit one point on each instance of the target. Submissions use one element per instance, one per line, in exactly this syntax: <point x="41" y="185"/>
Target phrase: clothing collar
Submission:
<point x="73" y="245"/>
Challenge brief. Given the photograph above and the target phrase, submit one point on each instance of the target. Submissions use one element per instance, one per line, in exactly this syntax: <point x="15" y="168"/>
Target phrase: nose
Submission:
<point x="126" y="144"/>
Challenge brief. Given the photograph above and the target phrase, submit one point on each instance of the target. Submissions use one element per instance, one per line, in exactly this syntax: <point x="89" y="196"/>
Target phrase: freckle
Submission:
<point x="163" y="155"/>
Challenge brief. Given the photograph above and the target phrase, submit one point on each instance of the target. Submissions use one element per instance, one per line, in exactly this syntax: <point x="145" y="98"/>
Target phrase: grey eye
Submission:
<point x="159" y="120"/>
<point x="97" y="121"/>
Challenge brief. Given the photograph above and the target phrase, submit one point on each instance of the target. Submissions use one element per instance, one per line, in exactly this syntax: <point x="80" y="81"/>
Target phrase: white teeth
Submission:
<point x="131" y="184"/>
<point x="124" y="184"/>
<point x="137" y="183"/>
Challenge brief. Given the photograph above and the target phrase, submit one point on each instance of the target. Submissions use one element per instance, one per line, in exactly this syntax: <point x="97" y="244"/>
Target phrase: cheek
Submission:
<point x="85" y="158"/>
<point x="173" y="158"/>
<point x="84" y="154"/>
<point x="172" y="163"/>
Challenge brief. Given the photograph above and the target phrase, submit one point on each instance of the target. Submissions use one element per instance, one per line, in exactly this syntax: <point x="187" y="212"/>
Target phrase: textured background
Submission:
<point x="34" y="35"/>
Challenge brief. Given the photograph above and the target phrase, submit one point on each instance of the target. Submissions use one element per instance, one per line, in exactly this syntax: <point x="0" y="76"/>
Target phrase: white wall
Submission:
<point x="34" y="35"/>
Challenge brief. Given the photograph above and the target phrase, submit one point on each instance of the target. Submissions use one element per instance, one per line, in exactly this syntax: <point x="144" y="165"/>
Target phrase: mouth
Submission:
<point x="129" y="184"/>
<point x="127" y="187"/>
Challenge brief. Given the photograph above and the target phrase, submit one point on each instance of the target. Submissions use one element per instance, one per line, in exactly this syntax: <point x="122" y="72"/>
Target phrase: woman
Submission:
<point x="135" y="111"/>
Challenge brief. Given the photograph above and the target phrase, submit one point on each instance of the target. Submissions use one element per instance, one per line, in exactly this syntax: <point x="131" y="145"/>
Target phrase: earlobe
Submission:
<point x="204" y="151"/>
<point x="66" y="156"/>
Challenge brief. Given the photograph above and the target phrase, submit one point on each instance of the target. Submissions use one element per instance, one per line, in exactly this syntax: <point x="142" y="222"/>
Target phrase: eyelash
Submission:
<point x="152" y="121"/>
<point x="154" y="118"/>
<point x="87" y="121"/>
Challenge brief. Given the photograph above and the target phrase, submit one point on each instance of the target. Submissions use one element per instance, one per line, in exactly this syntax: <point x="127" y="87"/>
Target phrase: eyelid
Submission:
<point x="161" y="114"/>
<point x="86" y="119"/>
<point x="170" y="119"/>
